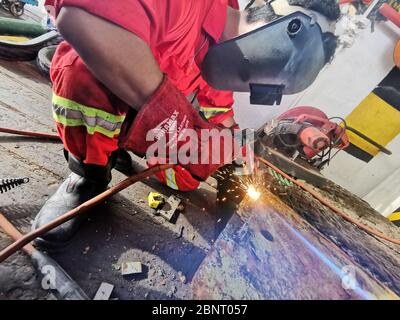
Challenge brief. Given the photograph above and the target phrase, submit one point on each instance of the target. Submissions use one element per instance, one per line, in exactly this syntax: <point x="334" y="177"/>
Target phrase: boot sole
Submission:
<point x="51" y="247"/>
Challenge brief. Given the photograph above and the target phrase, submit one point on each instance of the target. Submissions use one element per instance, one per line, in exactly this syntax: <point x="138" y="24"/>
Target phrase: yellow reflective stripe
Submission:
<point x="210" y="112"/>
<point x="87" y="111"/>
<point x="80" y="122"/>
<point x="214" y="109"/>
<point x="170" y="179"/>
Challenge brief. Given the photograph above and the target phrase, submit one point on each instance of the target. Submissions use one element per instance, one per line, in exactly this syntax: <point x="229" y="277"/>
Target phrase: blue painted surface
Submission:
<point x="31" y="2"/>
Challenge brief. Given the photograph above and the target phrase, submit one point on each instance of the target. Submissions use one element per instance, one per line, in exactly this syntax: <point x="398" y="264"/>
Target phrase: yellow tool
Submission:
<point x="14" y="38"/>
<point x="155" y="200"/>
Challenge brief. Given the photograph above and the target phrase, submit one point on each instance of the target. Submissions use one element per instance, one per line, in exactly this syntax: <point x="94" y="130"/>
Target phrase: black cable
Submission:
<point x="194" y="97"/>
<point x="328" y="152"/>
<point x="249" y="4"/>
<point x="344" y="128"/>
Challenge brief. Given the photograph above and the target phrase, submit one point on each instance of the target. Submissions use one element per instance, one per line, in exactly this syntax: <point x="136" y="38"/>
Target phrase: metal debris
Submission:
<point x="104" y="292"/>
<point x="130" y="268"/>
<point x="180" y="231"/>
<point x="182" y="277"/>
<point x="161" y="272"/>
<point x="170" y="208"/>
<point x="117" y="267"/>
<point x="86" y="251"/>
<point x="172" y="291"/>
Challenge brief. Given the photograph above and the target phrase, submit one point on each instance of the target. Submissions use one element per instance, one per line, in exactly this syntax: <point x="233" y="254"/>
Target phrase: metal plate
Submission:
<point x="104" y="292"/>
<point x="129" y="268"/>
<point x="170" y="209"/>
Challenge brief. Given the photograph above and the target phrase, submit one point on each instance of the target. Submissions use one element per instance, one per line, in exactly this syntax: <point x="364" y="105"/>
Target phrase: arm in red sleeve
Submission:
<point x="119" y="59"/>
<point x="136" y="16"/>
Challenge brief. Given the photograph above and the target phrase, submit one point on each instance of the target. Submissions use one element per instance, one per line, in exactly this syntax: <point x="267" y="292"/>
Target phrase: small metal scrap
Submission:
<point x="131" y="268"/>
<point x="104" y="292"/>
<point x="182" y="277"/>
<point x="171" y="208"/>
<point x="180" y="232"/>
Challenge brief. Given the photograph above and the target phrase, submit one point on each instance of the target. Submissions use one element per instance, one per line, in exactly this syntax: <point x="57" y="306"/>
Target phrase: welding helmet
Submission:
<point x="282" y="57"/>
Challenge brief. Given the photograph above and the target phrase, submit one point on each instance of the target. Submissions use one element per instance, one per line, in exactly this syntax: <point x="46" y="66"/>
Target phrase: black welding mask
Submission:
<point x="281" y="58"/>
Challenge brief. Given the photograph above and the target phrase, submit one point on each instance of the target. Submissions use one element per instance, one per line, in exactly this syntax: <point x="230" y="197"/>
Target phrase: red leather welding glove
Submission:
<point x="177" y="178"/>
<point x="168" y="127"/>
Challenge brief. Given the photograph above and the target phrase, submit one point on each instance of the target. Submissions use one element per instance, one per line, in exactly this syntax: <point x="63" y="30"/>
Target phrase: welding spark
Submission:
<point x="253" y="193"/>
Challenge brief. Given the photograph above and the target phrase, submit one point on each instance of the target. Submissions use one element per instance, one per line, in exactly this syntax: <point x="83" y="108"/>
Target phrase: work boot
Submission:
<point x="124" y="163"/>
<point x="84" y="183"/>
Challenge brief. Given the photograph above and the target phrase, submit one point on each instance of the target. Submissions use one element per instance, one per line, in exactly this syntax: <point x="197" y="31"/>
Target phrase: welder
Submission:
<point x="130" y="67"/>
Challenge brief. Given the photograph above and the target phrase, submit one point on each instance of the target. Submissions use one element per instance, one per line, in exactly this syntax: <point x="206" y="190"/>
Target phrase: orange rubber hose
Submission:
<point x="20" y="243"/>
<point x="30" y="134"/>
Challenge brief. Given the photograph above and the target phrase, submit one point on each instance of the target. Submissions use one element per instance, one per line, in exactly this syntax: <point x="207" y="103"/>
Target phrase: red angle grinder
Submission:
<point x="306" y="132"/>
<point x="301" y="141"/>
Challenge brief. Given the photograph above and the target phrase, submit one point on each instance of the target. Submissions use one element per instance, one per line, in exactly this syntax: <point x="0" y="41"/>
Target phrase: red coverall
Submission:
<point x="179" y="32"/>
